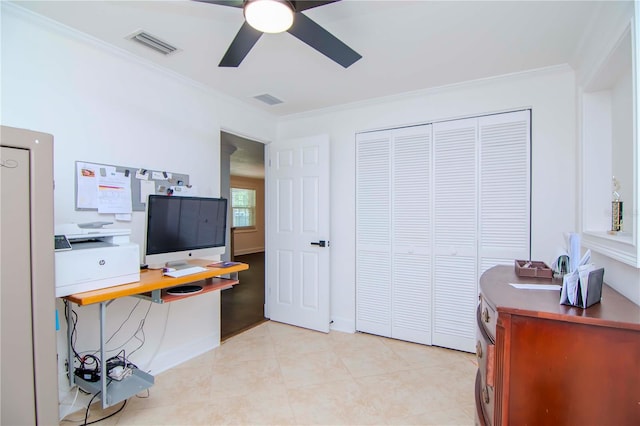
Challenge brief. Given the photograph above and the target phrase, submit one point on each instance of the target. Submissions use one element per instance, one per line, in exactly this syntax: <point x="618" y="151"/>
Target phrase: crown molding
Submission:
<point x="468" y="84"/>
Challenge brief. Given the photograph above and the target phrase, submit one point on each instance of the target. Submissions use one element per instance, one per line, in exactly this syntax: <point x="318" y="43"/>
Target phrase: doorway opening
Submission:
<point x="242" y="181"/>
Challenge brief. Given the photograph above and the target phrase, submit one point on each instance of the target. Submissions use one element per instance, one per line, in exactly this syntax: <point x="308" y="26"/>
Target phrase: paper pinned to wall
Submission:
<point x="87" y="178"/>
<point x="142" y="174"/>
<point x="114" y="192"/>
<point x="161" y="175"/>
<point x="147" y="187"/>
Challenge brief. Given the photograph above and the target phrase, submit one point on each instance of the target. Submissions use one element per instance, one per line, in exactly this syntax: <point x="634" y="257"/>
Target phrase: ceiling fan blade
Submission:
<point x="232" y="3"/>
<point x="309" y="4"/>
<point x="240" y="46"/>
<point x="306" y="30"/>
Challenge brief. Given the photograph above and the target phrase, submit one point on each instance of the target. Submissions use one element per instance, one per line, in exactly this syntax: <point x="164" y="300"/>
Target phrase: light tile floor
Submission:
<point x="276" y="374"/>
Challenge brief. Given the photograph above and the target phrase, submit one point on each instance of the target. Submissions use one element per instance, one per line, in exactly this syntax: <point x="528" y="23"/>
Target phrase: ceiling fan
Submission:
<point x="260" y="17"/>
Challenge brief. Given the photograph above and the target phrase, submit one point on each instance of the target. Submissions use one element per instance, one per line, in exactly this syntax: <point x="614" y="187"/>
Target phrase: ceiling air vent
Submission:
<point x="153" y="42"/>
<point x="268" y="99"/>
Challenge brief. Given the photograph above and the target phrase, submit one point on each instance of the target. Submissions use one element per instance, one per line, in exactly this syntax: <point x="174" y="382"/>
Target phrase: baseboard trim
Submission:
<point x="345" y="325"/>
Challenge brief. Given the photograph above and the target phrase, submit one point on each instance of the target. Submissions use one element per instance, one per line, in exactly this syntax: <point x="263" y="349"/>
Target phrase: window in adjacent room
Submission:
<point x="243" y="205"/>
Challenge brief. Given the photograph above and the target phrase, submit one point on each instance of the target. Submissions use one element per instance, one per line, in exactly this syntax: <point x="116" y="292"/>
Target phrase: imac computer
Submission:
<point x="183" y="228"/>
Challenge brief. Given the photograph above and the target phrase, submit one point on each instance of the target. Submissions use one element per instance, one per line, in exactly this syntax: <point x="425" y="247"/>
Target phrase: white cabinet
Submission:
<point x="27" y="304"/>
<point x="437" y="205"/>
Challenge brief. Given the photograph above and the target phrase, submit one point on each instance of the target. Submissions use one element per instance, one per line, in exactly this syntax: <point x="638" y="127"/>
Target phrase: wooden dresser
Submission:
<point x="542" y="363"/>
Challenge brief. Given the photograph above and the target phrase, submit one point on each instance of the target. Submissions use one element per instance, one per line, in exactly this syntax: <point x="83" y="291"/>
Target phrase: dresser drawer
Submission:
<point x="487" y="318"/>
<point x="485" y="354"/>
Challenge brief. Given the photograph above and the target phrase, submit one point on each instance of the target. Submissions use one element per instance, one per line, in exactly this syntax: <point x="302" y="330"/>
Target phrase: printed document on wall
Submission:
<point x="114" y="192"/>
<point x="87" y="178"/>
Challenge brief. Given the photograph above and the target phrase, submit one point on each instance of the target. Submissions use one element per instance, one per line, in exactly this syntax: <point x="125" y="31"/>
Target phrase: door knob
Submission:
<point x="321" y="243"/>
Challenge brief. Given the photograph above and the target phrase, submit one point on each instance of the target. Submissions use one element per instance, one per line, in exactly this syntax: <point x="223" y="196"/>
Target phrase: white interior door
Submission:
<point x="298" y="232"/>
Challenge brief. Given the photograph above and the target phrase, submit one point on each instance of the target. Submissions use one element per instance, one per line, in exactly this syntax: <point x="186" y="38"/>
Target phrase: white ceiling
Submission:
<point x="406" y="45"/>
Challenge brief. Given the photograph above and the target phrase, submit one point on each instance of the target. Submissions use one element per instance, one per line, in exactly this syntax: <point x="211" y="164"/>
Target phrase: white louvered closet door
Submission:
<point x="373" y="232"/>
<point x="455" y="234"/>
<point x="436" y="206"/>
<point x="411" y="234"/>
<point x="505" y="182"/>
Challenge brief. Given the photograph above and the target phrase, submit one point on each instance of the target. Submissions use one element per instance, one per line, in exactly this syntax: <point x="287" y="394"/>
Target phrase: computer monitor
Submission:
<point x="180" y="228"/>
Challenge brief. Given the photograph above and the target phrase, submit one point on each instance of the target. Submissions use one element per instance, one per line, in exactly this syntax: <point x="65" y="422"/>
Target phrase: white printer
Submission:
<point x="95" y="258"/>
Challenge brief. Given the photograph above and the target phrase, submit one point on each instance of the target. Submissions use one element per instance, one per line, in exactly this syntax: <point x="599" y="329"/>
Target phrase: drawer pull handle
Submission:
<point x="485" y="395"/>
<point x="485" y="315"/>
<point x="479" y="350"/>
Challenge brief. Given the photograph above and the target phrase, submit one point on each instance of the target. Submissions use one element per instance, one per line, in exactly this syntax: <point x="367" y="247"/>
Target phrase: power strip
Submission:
<point x="119" y="372"/>
<point x="87" y="374"/>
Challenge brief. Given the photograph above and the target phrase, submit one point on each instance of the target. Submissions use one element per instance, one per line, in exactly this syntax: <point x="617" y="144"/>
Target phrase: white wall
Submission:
<point x="106" y="106"/>
<point x="550" y="94"/>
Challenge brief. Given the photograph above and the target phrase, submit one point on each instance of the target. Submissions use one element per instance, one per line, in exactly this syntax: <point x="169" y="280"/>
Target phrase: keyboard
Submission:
<point x="185" y="271"/>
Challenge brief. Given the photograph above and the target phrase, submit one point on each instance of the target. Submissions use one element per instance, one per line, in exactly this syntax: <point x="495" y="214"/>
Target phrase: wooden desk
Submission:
<point x="152" y="286"/>
<point x="153" y="281"/>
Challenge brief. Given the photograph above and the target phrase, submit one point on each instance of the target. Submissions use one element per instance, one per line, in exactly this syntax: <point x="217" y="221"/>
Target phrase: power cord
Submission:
<point x="74" y="321"/>
<point x="86" y="413"/>
<point x="89" y="368"/>
<point x="139" y="329"/>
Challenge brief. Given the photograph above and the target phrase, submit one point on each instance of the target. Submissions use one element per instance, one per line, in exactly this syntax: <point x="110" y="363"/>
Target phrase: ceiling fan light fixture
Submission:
<point x="269" y="16"/>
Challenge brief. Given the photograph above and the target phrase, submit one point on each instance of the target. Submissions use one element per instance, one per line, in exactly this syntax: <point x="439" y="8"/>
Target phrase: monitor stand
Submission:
<point x="181" y="290"/>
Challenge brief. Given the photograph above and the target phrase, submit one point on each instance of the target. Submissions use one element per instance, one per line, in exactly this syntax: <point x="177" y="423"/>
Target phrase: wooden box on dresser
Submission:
<point x="542" y="363"/>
